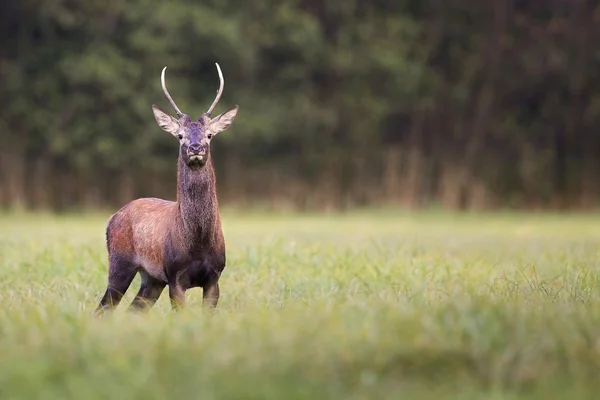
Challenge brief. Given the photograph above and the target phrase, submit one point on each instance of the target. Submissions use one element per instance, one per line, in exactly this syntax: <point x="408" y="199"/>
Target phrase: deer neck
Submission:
<point x="196" y="198"/>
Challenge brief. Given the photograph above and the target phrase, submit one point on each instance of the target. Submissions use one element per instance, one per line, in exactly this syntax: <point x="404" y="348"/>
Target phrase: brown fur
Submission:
<point x="139" y="228"/>
<point x="177" y="244"/>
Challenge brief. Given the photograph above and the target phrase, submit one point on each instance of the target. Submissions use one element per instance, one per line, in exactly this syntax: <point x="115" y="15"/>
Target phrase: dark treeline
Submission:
<point x="465" y="104"/>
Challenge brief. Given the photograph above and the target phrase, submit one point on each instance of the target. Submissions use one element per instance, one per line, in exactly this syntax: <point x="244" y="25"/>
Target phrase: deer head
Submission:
<point x="194" y="136"/>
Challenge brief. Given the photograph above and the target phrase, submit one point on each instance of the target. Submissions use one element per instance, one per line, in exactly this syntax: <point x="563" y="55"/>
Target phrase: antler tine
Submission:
<point x="219" y="92"/>
<point x="164" y="88"/>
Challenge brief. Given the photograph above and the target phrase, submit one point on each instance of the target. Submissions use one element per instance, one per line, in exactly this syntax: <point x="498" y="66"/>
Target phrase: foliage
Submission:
<point x="372" y="305"/>
<point x="464" y="103"/>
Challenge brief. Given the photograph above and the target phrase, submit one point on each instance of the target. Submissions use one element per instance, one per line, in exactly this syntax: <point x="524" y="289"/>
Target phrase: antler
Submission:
<point x="219" y="92"/>
<point x="164" y="87"/>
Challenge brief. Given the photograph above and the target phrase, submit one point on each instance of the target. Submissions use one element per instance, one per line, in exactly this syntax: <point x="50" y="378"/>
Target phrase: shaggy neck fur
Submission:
<point x="197" y="200"/>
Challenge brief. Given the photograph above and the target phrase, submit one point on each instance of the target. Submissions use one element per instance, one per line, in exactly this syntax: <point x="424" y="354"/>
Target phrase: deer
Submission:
<point x="179" y="244"/>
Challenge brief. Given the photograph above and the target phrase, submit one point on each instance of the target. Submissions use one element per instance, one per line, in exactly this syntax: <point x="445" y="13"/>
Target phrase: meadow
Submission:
<point x="368" y="305"/>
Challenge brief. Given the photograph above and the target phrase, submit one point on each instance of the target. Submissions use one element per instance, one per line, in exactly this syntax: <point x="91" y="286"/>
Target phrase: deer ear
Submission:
<point x="223" y="121"/>
<point x="165" y="121"/>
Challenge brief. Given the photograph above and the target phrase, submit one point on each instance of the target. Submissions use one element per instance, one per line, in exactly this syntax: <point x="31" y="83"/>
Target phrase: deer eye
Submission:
<point x="209" y="135"/>
<point x="180" y="136"/>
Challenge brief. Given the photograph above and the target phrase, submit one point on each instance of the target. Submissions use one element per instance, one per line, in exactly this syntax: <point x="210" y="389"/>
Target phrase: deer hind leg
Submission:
<point x="120" y="274"/>
<point x="150" y="291"/>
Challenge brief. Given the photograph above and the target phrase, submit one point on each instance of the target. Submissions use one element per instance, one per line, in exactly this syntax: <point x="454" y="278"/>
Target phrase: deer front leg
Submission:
<point x="177" y="296"/>
<point x="215" y="265"/>
<point x="210" y="295"/>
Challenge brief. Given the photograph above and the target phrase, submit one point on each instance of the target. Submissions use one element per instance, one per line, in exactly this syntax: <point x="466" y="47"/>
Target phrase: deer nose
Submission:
<point x="195" y="149"/>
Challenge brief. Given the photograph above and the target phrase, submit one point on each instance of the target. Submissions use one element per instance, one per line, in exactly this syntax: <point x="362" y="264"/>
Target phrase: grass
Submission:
<point x="371" y="305"/>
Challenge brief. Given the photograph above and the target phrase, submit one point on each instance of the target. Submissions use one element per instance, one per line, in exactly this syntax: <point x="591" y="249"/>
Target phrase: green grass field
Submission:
<point x="373" y="305"/>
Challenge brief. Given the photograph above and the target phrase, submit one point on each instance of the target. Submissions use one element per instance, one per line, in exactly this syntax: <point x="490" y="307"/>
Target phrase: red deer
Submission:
<point x="176" y="243"/>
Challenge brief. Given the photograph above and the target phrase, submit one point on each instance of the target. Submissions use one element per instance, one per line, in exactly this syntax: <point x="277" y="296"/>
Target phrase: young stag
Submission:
<point x="179" y="244"/>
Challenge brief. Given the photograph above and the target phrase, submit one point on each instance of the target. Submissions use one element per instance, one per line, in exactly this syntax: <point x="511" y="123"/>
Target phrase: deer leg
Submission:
<point x="120" y="275"/>
<point x="150" y="291"/>
<point x="177" y="296"/>
<point x="210" y="295"/>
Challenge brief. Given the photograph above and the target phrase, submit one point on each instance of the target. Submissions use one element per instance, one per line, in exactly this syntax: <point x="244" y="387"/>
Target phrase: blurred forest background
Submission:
<point x="462" y="104"/>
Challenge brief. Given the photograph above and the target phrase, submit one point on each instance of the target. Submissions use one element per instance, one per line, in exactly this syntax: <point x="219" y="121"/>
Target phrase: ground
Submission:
<point x="369" y="305"/>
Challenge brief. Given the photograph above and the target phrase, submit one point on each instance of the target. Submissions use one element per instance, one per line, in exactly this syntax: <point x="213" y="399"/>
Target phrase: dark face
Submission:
<point x="194" y="140"/>
<point x="194" y="136"/>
